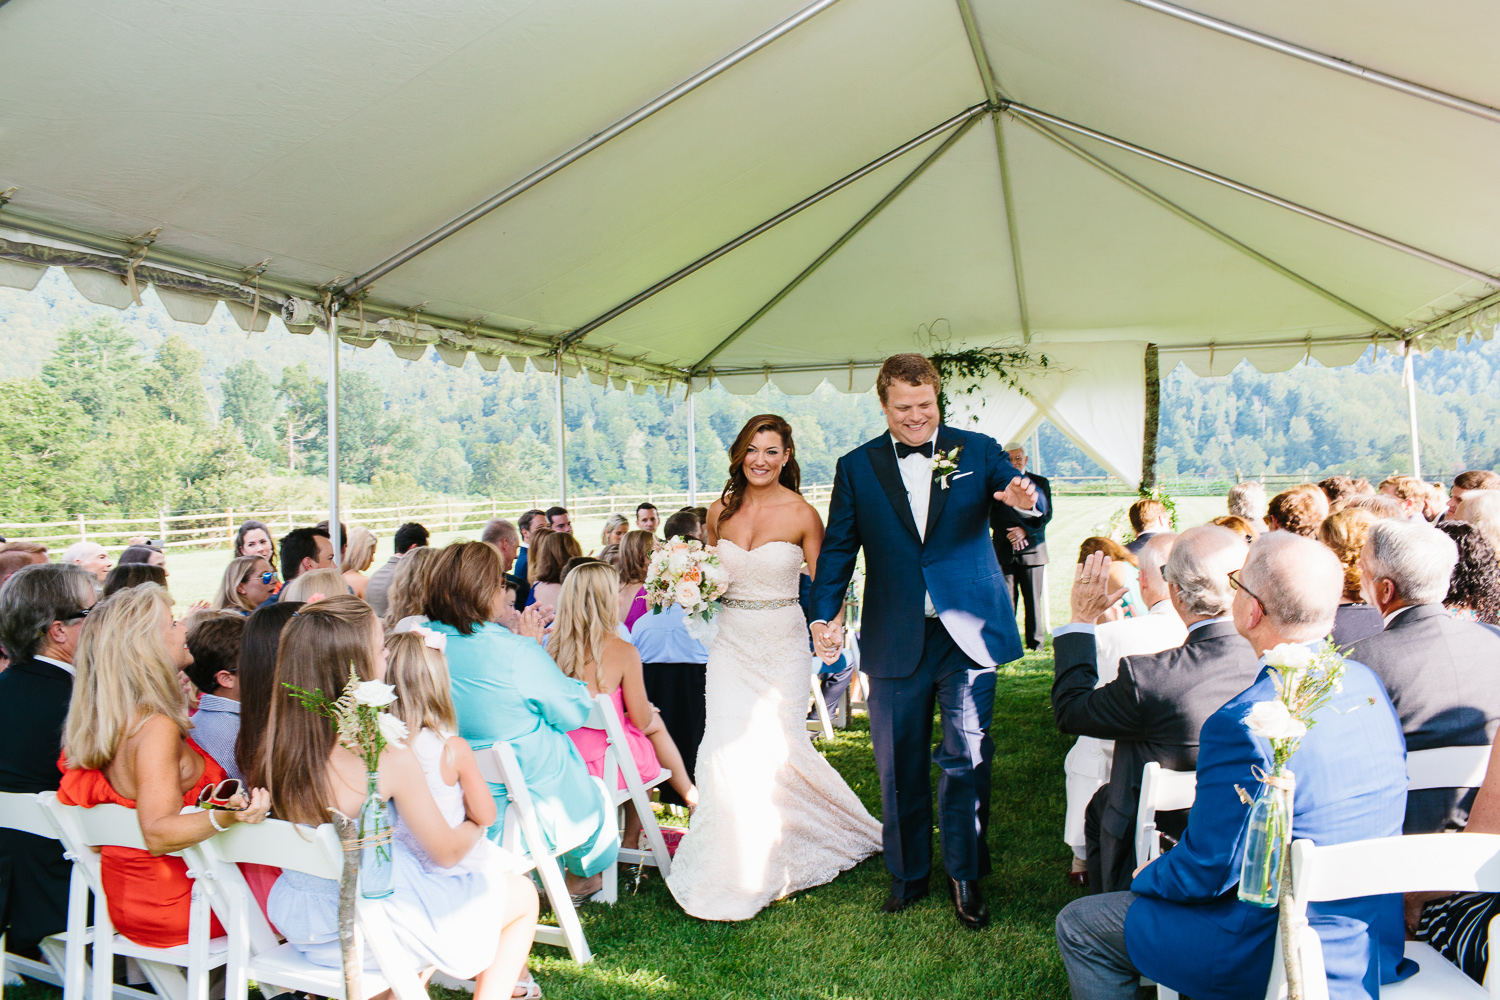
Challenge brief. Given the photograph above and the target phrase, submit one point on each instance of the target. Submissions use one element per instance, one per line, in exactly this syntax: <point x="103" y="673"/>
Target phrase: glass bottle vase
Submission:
<point x="1266" y="838"/>
<point x="376" y="866"/>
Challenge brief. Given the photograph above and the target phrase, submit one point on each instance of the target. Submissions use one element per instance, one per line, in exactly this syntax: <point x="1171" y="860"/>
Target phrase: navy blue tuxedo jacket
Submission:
<point x="956" y="564"/>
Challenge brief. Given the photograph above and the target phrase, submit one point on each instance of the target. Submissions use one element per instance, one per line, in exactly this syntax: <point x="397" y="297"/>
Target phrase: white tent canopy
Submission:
<point x="772" y="190"/>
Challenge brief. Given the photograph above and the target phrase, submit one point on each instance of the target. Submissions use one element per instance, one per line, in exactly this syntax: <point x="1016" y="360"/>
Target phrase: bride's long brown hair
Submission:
<point x="791" y="473"/>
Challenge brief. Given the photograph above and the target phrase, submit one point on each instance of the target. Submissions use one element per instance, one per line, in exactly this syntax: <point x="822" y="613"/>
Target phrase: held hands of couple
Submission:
<point x="1019" y="494"/>
<point x="828" y="640"/>
<point x="1091" y="597"/>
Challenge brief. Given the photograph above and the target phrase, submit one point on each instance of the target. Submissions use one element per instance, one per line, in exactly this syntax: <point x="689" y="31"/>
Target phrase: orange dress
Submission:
<point x="149" y="897"/>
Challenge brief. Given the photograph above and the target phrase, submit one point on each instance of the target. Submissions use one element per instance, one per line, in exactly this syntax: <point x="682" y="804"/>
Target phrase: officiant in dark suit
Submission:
<point x="1021" y="548"/>
<point x="42" y="610"/>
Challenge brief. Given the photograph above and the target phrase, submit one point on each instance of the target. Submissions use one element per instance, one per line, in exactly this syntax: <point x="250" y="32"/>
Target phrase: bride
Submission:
<point x="773" y="816"/>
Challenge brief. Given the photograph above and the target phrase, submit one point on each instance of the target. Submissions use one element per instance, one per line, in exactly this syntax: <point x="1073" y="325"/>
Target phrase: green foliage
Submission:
<point x="46" y="466"/>
<point x="395" y="489"/>
<point x="250" y="404"/>
<point x="175" y="384"/>
<point x="99" y="367"/>
<point x="963" y="371"/>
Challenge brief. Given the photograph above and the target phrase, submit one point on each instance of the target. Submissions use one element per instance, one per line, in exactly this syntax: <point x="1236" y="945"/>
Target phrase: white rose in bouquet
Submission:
<point x="1274" y="721"/>
<point x="374" y="693"/>
<point x="678" y="558"/>
<point x="687" y="595"/>
<point x="392" y="729"/>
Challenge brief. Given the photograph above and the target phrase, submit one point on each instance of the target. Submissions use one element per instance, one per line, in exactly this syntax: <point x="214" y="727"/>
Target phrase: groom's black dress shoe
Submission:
<point x="895" y="904"/>
<point x="969" y="904"/>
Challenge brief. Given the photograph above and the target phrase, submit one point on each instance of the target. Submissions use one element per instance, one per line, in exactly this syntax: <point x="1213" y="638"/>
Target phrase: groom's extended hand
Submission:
<point x="1091" y="596"/>
<point x="828" y="641"/>
<point x="1020" y="494"/>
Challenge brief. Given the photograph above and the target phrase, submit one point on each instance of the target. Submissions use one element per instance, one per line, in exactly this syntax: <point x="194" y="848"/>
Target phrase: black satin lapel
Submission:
<point x="939" y="496"/>
<point x="883" y="460"/>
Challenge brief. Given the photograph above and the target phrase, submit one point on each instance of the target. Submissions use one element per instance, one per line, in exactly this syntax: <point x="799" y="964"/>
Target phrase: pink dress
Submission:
<point x="592" y="744"/>
<point x="638" y="607"/>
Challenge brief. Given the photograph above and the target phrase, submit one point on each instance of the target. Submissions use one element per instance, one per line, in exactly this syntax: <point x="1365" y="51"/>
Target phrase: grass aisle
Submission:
<point x="829" y="942"/>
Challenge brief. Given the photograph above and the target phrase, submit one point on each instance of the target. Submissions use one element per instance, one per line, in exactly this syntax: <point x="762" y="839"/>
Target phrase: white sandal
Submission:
<point x="530" y="985"/>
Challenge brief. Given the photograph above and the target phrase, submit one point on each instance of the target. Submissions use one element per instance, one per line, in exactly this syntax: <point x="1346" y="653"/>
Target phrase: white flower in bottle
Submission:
<point x="1289" y="656"/>
<point x="376" y="694"/>
<point x="1274" y="721"/>
<point x="392" y="729"/>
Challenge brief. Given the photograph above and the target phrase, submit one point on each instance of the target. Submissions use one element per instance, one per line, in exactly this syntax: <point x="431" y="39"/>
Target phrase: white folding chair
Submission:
<point x="1447" y="767"/>
<point x="824" y="722"/>
<point x="23" y="811"/>
<point x="523" y="838"/>
<point x="1161" y="791"/>
<point x="618" y="762"/>
<point x="253" y="949"/>
<point x="1468" y="862"/>
<point x="178" y="973"/>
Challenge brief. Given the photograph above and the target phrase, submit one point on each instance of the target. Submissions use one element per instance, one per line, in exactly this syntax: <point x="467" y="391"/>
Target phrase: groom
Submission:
<point x="918" y="501"/>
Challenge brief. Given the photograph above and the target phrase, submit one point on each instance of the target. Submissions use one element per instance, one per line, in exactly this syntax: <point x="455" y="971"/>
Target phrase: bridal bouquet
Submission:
<point x="691" y="575"/>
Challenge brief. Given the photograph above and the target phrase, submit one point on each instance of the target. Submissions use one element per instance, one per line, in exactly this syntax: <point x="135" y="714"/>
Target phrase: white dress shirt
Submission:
<point x="56" y="663"/>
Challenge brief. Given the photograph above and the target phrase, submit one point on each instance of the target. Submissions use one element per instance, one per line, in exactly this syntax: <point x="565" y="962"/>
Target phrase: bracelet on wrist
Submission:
<point x="214" y="820"/>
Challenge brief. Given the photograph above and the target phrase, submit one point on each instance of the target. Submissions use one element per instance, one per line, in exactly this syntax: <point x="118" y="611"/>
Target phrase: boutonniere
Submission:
<point x="944" y="465"/>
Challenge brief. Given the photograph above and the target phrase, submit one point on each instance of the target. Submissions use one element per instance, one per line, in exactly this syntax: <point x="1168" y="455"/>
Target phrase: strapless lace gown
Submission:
<point x="773" y="816"/>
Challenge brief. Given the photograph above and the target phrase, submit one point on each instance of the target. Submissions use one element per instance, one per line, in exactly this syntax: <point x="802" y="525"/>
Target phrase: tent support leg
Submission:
<point x="562" y="439"/>
<point x="1409" y="378"/>
<point x="692" y="437"/>
<point x="1153" y="418"/>
<point x="333" y="432"/>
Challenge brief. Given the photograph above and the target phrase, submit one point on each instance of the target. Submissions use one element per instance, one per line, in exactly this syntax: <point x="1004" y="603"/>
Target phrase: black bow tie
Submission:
<point x="925" y="450"/>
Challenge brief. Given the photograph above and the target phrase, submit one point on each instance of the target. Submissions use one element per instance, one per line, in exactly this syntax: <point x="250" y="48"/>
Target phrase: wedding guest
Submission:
<point x="37" y="550"/>
<point x="1474" y="590"/>
<point x="610" y="554"/>
<point x="635" y="562"/>
<point x="1248" y="500"/>
<point x="586" y="648"/>
<point x="1155" y="706"/>
<point x="42" y="612"/>
<point x="1344" y="532"/>
<point x="13" y="562"/>
<point x="253" y="538"/>
<point x="527" y="524"/>
<point x="505" y="687"/>
<point x="1340" y="488"/>
<point x="1410" y="492"/>
<point x="1465" y="482"/>
<point x="305" y="549"/>
<point x="549" y="555"/>
<point x="1300" y="510"/>
<point x="684" y="524"/>
<point x="558" y="520"/>
<point x="471" y="924"/>
<point x="358" y="555"/>
<point x="147" y="554"/>
<point x="1248" y="530"/>
<point x="91" y="556"/>
<point x="1124" y="573"/>
<point x="126" y="742"/>
<point x="505" y="538"/>
<point x="1020" y="545"/>
<point x="247" y="583"/>
<point x="646" y="518"/>
<point x="1378" y="504"/>
<point x="132" y="575"/>
<point x="314" y="585"/>
<point x="1443" y="675"/>
<point x="1086" y="768"/>
<point x="409" y="536"/>
<point x="1481" y="508"/>
<point x="257" y="685"/>
<point x="1181" y="924"/>
<point x="1147" y="517"/>
<point x="614" y="530"/>
<point x="215" y="644"/>
<point x="1435" y="504"/>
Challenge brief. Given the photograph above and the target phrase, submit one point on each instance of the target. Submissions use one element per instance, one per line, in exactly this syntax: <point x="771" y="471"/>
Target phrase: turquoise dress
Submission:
<point x="506" y="688"/>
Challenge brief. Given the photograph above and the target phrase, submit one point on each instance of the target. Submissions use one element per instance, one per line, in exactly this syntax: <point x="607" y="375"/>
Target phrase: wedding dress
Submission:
<point x="773" y="816"/>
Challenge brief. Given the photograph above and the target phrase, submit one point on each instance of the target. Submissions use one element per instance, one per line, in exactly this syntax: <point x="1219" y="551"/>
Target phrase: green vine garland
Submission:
<point x="971" y="366"/>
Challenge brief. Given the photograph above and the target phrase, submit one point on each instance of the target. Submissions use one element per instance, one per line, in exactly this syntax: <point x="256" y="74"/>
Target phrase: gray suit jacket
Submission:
<point x="1443" y="676"/>
<point x="380" y="584"/>
<point x="1154" y="711"/>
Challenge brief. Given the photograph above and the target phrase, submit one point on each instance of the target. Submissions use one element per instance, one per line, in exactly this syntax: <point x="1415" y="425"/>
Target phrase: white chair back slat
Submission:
<point x="108" y="825"/>
<point x="24" y="811"/>
<point x="1447" y="767"/>
<point x="620" y="762"/>
<point x="1161" y="791"/>
<point x="312" y="851"/>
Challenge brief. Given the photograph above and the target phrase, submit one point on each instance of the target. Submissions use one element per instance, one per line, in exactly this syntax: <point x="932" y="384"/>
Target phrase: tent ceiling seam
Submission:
<point x="1266" y="196"/>
<point x="1345" y="66"/>
<point x="1206" y="226"/>
<point x="769" y="224"/>
<point x="590" y="144"/>
<point x="992" y="92"/>
<point x="838" y="244"/>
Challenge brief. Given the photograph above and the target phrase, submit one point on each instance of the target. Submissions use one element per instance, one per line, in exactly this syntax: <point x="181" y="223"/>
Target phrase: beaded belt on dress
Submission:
<point x="780" y="602"/>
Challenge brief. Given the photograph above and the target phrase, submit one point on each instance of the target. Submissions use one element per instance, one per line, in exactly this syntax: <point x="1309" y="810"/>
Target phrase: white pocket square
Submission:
<point x="959" y="475"/>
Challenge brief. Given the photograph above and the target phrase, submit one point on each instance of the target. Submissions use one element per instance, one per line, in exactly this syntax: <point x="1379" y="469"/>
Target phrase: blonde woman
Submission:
<point x="408" y="594"/>
<point x="247" y="582"/>
<point x="1344" y="532"/>
<point x="549" y="555"/>
<point x="586" y="648"/>
<point x="614" y="530"/>
<point x="635" y="560"/>
<point x="327" y="582"/>
<point x="359" y="554"/>
<point x="126" y="742"/>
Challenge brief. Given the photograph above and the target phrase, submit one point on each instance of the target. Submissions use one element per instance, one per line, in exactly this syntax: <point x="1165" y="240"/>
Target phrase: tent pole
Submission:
<point x="1326" y="61"/>
<point x="692" y="436"/>
<point x="774" y="221"/>
<point x="587" y="146"/>
<point x="562" y="439"/>
<point x="1036" y="449"/>
<point x="1209" y="227"/>
<point x="333" y="432"/>
<point x="1233" y="185"/>
<point x="1409" y="377"/>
